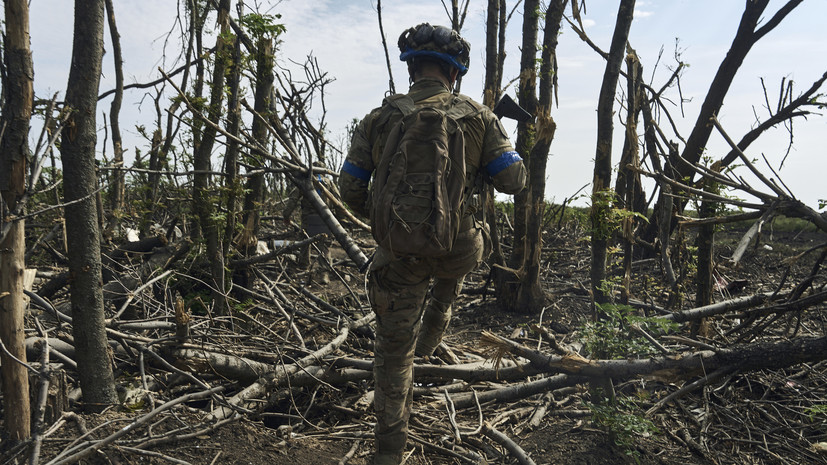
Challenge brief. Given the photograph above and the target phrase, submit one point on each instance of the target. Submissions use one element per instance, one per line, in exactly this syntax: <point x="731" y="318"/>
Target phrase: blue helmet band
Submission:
<point x="452" y="60"/>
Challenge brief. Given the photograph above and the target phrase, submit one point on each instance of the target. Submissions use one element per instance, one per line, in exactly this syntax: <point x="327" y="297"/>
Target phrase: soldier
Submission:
<point x="435" y="56"/>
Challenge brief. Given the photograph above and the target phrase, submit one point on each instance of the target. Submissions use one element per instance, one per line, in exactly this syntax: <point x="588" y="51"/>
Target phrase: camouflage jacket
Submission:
<point x="488" y="151"/>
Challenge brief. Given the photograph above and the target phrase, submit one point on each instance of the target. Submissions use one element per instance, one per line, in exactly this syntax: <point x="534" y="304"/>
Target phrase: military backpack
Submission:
<point x="420" y="182"/>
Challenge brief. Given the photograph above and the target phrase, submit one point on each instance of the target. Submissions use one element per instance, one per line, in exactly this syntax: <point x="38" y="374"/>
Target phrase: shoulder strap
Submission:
<point x="402" y="103"/>
<point x="462" y="106"/>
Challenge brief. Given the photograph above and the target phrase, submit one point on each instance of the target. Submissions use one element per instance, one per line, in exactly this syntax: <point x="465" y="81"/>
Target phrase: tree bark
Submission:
<point x="756" y="356"/>
<point x="601" y="184"/>
<point x="196" y="31"/>
<point x="232" y="182"/>
<point x="507" y="281"/>
<point x="705" y="242"/>
<point x="203" y="193"/>
<point x="628" y="180"/>
<point x="492" y="71"/>
<point x="525" y="130"/>
<point x="16" y="117"/>
<point x="154" y="179"/>
<point x="255" y="184"/>
<point x="117" y="186"/>
<point x="530" y="295"/>
<point x="83" y="239"/>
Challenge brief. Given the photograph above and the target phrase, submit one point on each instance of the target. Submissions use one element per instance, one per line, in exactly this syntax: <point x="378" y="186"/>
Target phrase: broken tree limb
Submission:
<point x="698" y="383"/>
<point x="226" y="365"/>
<point x="754" y="230"/>
<point x="469" y="372"/>
<point x="721" y="307"/>
<point x="304" y="183"/>
<point x="744" y="159"/>
<point x="516" y="451"/>
<point x="517" y="391"/>
<point x="793" y="305"/>
<point x="274" y="377"/>
<point x="42" y="398"/>
<point x="244" y="262"/>
<point x="760" y="355"/>
<point x="348" y="244"/>
<point x="94" y="447"/>
<point x="308" y="190"/>
<point x="345" y="211"/>
<point x="136" y="292"/>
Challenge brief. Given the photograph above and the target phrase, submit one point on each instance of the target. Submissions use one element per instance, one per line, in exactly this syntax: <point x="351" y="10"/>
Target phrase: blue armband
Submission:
<point x="355" y="171"/>
<point x="502" y="162"/>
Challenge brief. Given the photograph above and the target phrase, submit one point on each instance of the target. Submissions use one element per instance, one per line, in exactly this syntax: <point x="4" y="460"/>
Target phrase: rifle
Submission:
<point x="508" y="108"/>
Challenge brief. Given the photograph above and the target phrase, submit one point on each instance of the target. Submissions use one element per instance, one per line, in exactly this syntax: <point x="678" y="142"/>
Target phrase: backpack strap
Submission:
<point x="402" y="103"/>
<point x="462" y="107"/>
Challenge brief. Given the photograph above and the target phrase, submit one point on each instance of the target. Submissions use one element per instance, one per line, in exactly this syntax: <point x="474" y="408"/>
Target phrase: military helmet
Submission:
<point x="437" y="42"/>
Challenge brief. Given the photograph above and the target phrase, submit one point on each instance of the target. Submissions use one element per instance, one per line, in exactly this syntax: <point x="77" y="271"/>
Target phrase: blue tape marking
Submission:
<point x="502" y="162"/>
<point x="408" y="53"/>
<point x="355" y="171"/>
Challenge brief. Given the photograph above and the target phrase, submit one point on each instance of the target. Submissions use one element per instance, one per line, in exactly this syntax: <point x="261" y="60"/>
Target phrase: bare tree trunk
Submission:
<point x="601" y="184"/>
<point x="492" y="70"/>
<point x="196" y="30"/>
<point x="203" y="201"/>
<point x="628" y="181"/>
<point x="507" y="281"/>
<point x="745" y="38"/>
<point x="255" y="184"/>
<point x="116" y="191"/>
<point x="530" y="296"/>
<point x="154" y="179"/>
<point x="525" y="130"/>
<point x="705" y="243"/>
<point x="501" y="45"/>
<point x="492" y="92"/>
<point x="232" y="182"/>
<point x="83" y="239"/>
<point x="455" y="15"/>
<point x="518" y="288"/>
<point x="16" y="117"/>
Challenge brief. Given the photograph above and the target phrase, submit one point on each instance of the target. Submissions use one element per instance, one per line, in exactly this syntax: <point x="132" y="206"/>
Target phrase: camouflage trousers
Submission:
<point x="397" y="293"/>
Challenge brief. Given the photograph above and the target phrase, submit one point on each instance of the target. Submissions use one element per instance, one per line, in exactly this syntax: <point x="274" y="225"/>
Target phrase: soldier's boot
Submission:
<point x="387" y="459"/>
<point x="435" y="321"/>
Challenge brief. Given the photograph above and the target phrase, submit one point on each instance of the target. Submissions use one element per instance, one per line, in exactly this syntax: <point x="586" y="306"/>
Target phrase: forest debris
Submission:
<point x="282" y="374"/>
<point x="69" y="456"/>
<point x="760" y="355"/>
<point x="516" y="391"/>
<point x="699" y="383"/>
<point x="820" y="447"/>
<point x="516" y="451"/>
<point x="753" y="231"/>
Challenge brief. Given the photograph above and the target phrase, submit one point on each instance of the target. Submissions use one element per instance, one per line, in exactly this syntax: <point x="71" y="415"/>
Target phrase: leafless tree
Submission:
<point x="14" y="149"/>
<point x="77" y="151"/>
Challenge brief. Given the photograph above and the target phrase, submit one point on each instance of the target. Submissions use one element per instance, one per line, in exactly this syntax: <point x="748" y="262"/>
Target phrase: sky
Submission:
<point x="343" y="36"/>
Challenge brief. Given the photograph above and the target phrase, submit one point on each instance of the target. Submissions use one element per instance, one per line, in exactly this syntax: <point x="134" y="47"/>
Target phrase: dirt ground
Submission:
<point x="695" y="430"/>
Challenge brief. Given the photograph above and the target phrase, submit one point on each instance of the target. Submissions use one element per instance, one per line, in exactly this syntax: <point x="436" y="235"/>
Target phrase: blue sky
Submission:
<point x="343" y="35"/>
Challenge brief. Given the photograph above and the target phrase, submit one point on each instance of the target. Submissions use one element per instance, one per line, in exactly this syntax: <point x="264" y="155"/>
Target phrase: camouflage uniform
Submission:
<point x="398" y="286"/>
